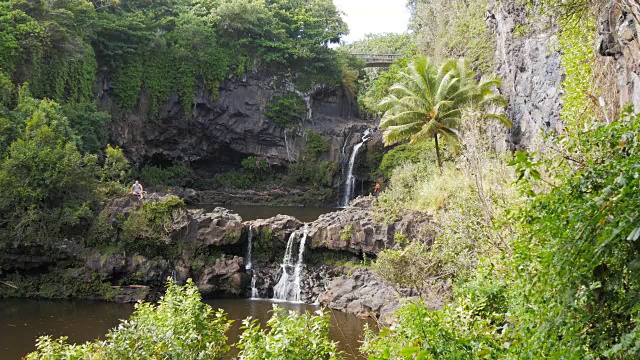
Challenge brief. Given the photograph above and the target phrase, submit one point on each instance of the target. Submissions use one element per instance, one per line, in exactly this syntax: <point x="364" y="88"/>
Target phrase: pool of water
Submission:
<point x="23" y="321"/>
<point x="253" y="212"/>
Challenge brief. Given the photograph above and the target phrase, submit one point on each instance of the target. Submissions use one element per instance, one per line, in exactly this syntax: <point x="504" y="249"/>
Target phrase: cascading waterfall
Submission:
<point x="297" y="289"/>
<point x="289" y="286"/>
<point x="249" y="265"/>
<point x="349" y="182"/>
<point x="281" y="290"/>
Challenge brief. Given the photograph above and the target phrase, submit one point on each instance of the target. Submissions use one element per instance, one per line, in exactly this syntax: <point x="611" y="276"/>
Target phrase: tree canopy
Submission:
<point x="429" y="101"/>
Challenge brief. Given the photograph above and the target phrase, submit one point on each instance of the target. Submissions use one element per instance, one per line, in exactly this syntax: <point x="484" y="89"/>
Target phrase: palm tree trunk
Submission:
<point x="435" y="138"/>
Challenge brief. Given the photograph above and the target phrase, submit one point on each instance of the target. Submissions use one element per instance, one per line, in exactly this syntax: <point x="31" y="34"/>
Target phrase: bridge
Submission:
<point x="378" y="60"/>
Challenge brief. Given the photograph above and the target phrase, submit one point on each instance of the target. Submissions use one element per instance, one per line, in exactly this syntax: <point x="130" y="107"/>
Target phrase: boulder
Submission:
<point x="279" y="224"/>
<point x="357" y="230"/>
<point x="226" y="276"/>
<point x="219" y="227"/>
<point x="362" y="294"/>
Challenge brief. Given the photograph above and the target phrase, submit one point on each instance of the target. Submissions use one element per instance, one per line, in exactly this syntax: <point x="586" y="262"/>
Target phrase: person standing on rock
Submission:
<point x="376" y="189"/>
<point x="137" y="189"/>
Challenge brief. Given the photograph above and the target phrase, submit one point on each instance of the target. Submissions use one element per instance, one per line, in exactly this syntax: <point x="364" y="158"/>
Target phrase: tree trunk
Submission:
<point x="435" y="138"/>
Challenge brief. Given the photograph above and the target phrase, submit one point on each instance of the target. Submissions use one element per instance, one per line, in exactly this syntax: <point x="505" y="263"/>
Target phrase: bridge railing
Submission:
<point x="378" y="58"/>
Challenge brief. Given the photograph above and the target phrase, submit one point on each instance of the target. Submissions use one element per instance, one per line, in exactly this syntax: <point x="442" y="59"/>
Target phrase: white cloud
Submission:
<point x="373" y="16"/>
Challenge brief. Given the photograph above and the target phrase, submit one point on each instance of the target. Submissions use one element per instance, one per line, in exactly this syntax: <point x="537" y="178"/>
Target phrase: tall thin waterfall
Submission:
<point x="297" y="289"/>
<point x="349" y="182"/>
<point x="249" y="265"/>
<point x="289" y="286"/>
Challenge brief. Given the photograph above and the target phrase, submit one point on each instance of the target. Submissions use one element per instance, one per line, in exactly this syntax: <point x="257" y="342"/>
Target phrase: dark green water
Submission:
<point x="22" y="321"/>
<point x="253" y="212"/>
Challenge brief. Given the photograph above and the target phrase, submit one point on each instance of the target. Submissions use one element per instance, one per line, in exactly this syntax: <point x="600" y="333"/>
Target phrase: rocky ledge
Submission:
<point x="212" y="249"/>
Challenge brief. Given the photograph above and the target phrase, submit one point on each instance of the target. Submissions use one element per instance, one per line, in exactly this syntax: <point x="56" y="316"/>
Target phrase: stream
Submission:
<point x="23" y="320"/>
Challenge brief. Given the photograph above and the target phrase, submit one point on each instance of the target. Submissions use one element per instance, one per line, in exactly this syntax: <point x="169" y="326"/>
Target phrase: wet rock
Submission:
<point x="107" y="265"/>
<point x="219" y="227"/>
<point x="279" y="224"/>
<point x="135" y="269"/>
<point x="362" y="294"/>
<point x="226" y="276"/>
<point x="130" y="294"/>
<point x="355" y="228"/>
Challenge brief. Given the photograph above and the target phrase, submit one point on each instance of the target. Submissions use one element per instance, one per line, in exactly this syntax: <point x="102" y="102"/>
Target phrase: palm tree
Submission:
<point x="429" y="100"/>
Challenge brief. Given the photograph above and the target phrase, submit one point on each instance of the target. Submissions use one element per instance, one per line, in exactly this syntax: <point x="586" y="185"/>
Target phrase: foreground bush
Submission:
<point x="290" y="336"/>
<point x="181" y="326"/>
<point x="567" y="286"/>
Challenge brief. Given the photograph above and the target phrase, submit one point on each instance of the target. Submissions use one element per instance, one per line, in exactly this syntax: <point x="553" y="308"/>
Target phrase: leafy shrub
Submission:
<point x="147" y="230"/>
<point x="468" y="328"/>
<point x="254" y="165"/>
<point x="316" y="144"/>
<point x="254" y="172"/>
<point x="116" y="166"/>
<point x="406" y="153"/>
<point x="181" y="326"/>
<point x="578" y="252"/>
<point x="290" y="336"/>
<point x="47" y="187"/>
<point x="287" y="111"/>
<point x="176" y="175"/>
<point x="307" y="171"/>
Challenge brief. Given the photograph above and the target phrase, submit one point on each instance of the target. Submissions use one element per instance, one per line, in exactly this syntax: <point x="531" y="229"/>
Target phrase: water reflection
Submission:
<point x="23" y="321"/>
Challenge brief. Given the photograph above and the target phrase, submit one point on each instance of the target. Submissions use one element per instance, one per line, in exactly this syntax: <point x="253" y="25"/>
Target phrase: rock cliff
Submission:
<point x="228" y="124"/>
<point x="618" y="28"/>
<point x="528" y="62"/>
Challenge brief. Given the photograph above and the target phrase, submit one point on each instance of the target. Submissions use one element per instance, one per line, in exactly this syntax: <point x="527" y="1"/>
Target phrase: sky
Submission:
<point x="373" y="16"/>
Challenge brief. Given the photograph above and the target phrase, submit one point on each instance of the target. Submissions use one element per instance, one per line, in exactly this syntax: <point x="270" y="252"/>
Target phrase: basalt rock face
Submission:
<point x="219" y="227"/>
<point x="618" y="28"/>
<point x="528" y="62"/>
<point x="230" y="124"/>
<point x="356" y="228"/>
<point x="363" y="294"/>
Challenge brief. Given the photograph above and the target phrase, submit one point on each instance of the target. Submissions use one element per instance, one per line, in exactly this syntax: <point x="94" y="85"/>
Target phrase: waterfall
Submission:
<point x="349" y="182"/>
<point x="249" y="265"/>
<point x="281" y="290"/>
<point x="289" y="286"/>
<point x="298" y="269"/>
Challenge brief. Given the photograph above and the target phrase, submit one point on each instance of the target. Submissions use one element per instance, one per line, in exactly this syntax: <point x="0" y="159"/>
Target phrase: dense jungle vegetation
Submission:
<point x="540" y="248"/>
<point x="55" y="165"/>
<point x="537" y="252"/>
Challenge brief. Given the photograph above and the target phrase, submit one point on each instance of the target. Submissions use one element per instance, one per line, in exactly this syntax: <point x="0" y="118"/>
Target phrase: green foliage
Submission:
<point x="345" y="233"/>
<point x="468" y="328"/>
<point x="116" y="166"/>
<point x="452" y="29"/>
<point x="376" y="86"/>
<point x="89" y="124"/>
<point x="307" y="171"/>
<point x="47" y="187"/>
<point x="406" y="153"/>
<point x="374" y="83"/>
<point x="429" y="101"/>
<point x="56" y="284"/>
<point x="287" y="111"/>
<point x="147" y="229"/>
<point x="180" y="326"/>
<point x="175" y="175"/>
<point x="576" y="42"/>
<point x="316" y="144"/>
<point x="290" y="336"/>
<point x="578" y="252"/>
<point x="254" y="173"/>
